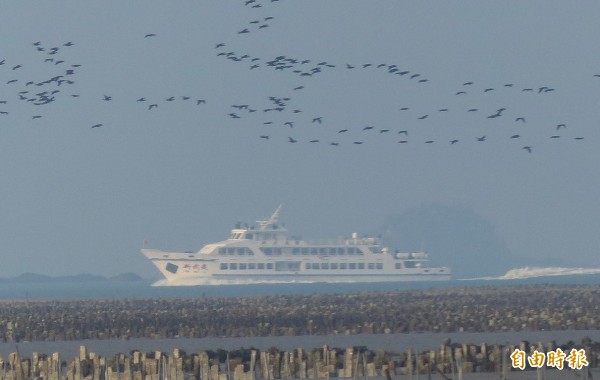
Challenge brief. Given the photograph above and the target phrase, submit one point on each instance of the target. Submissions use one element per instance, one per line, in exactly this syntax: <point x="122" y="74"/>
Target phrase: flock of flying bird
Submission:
<point x="291" y="119"/>
<point x="277" y="116"/>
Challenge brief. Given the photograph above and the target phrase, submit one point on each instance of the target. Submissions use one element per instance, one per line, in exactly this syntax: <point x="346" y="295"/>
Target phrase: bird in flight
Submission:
<point x="527" y="148"/>
<point x="96" y="125"/>
<point x="150" y="35"/>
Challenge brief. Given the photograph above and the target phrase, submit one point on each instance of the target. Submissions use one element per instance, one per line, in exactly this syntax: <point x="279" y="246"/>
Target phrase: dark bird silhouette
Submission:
<point x="233" y="115"/>
<point x="107" y="98"/>
<point x="200" y="101"/>
<point x="429" y="142"/>
<point x="141" y="100"/>
<point x="292" y="140"/>
<point x="559" y="126"/>
<point x="472" y="110"/>
<point x="150" y="35"/>
<point x="96" y="125"/>
<point x="358" y="142"/>
<point x="383" y="130"/>
<point x="443" y="110"/>
<point x="334" y="143"/>
<point x="488" y="90"/>
<point x="515" y="136"/>
<point x="36" y="117"/>
<point x="423" y="117"/>
<point x="342" y="130"/>
<point x="402" y="142"/>
<point x="152" y="106"/>
<point x="244" y="31"/>
<point x="264" y="137"/>
<point x="12" y="81"/>
<point x="313" y="141"/>
<point x="467" y="83"/>
<point x="461" y="93"/>
<point x="298" y="88"/>
<point x="221" y="44"/>
<point x="482" y="138"/>
<point x="317" y="120"/>
<point x="16" y="67"/>
<point x="289" y="124"/>
<point x="405" y="133"/>
<point x="452" y="142"/>
<point x="579" y="138"/>
<point x="404" y="109"/>
<point x="527" y="148"/>
<point x="520" y="119"/>
<point x="170" y="99"/>
<point x="555" y="137"/>
<point x="367" y="128"/>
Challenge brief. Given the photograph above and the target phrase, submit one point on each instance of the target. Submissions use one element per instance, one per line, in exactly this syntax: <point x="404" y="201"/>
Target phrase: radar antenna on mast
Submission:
<point x="263" y="224"/>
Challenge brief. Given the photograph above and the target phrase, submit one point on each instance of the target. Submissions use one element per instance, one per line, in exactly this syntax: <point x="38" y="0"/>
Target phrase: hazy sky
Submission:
<point x="80" y="199"/>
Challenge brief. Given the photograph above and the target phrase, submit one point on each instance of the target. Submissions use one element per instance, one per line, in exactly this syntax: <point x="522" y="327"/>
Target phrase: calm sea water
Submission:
<point x="107" y="289"/>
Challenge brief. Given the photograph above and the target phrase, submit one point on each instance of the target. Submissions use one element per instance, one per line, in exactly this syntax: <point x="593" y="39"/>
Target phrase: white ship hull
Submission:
<point x="266" y="255"/>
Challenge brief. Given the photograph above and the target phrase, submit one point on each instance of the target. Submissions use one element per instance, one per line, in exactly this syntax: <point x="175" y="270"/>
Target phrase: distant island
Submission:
<point x="85" y="277"/>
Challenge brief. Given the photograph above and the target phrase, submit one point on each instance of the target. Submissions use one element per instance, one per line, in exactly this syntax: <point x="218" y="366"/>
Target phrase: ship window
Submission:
<point x="304" y="251"/>
<point x="352" y="265"/>
<point x="379" y="265"/>
<point x="316" y="266"/>
<point x="334" y="266"/>
<point x="261" y="265"/>
<point x="249" y="236"/>
<point x="340" y="251"/>
<point x="314" y="251"/>
<point x="251" y="266"/>
<point x="243" y="266"/>
<point x="332" y="251"/>
<point x="230" y="251"/>
<point x="307" y="266"/>
<point x="233" y="266"/>
<point x="358" y="252"/>
<point x="269" y="265"/>
<point x="351" y="250"/>
<point x="249" y="252"/>
<point x="322" y="251"/>
<point x="277" y="251"/>
<point x="222" y="251"/>
<point x="172" y="268"/>
<point x="375" y="249"/>
<point x="295" y="251"/>
<point x="241" y="251"/>
<point x="324" y="265"/>
<point x="398" y="265"/>
<point x="343" y="265"/>
<point x="371" y="265"/>
<point x="266" y="251"/>
<point x="361" y="265"/>
<point x="223" y="266"/>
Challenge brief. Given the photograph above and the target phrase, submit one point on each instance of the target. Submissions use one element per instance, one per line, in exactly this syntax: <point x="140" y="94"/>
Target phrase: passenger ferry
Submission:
<point x="266" y="254"/>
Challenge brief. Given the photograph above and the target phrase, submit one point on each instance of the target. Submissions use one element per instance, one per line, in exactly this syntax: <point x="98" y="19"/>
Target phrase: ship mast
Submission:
<point x="264" y="224"/>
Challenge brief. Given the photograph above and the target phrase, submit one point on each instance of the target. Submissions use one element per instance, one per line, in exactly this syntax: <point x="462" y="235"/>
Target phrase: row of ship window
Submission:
<point x="244" y="266"/>
<point x="278" y="251"/>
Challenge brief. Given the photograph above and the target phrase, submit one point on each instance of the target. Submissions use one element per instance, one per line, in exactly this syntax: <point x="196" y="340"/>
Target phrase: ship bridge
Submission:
<point x="267" y="230"/>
